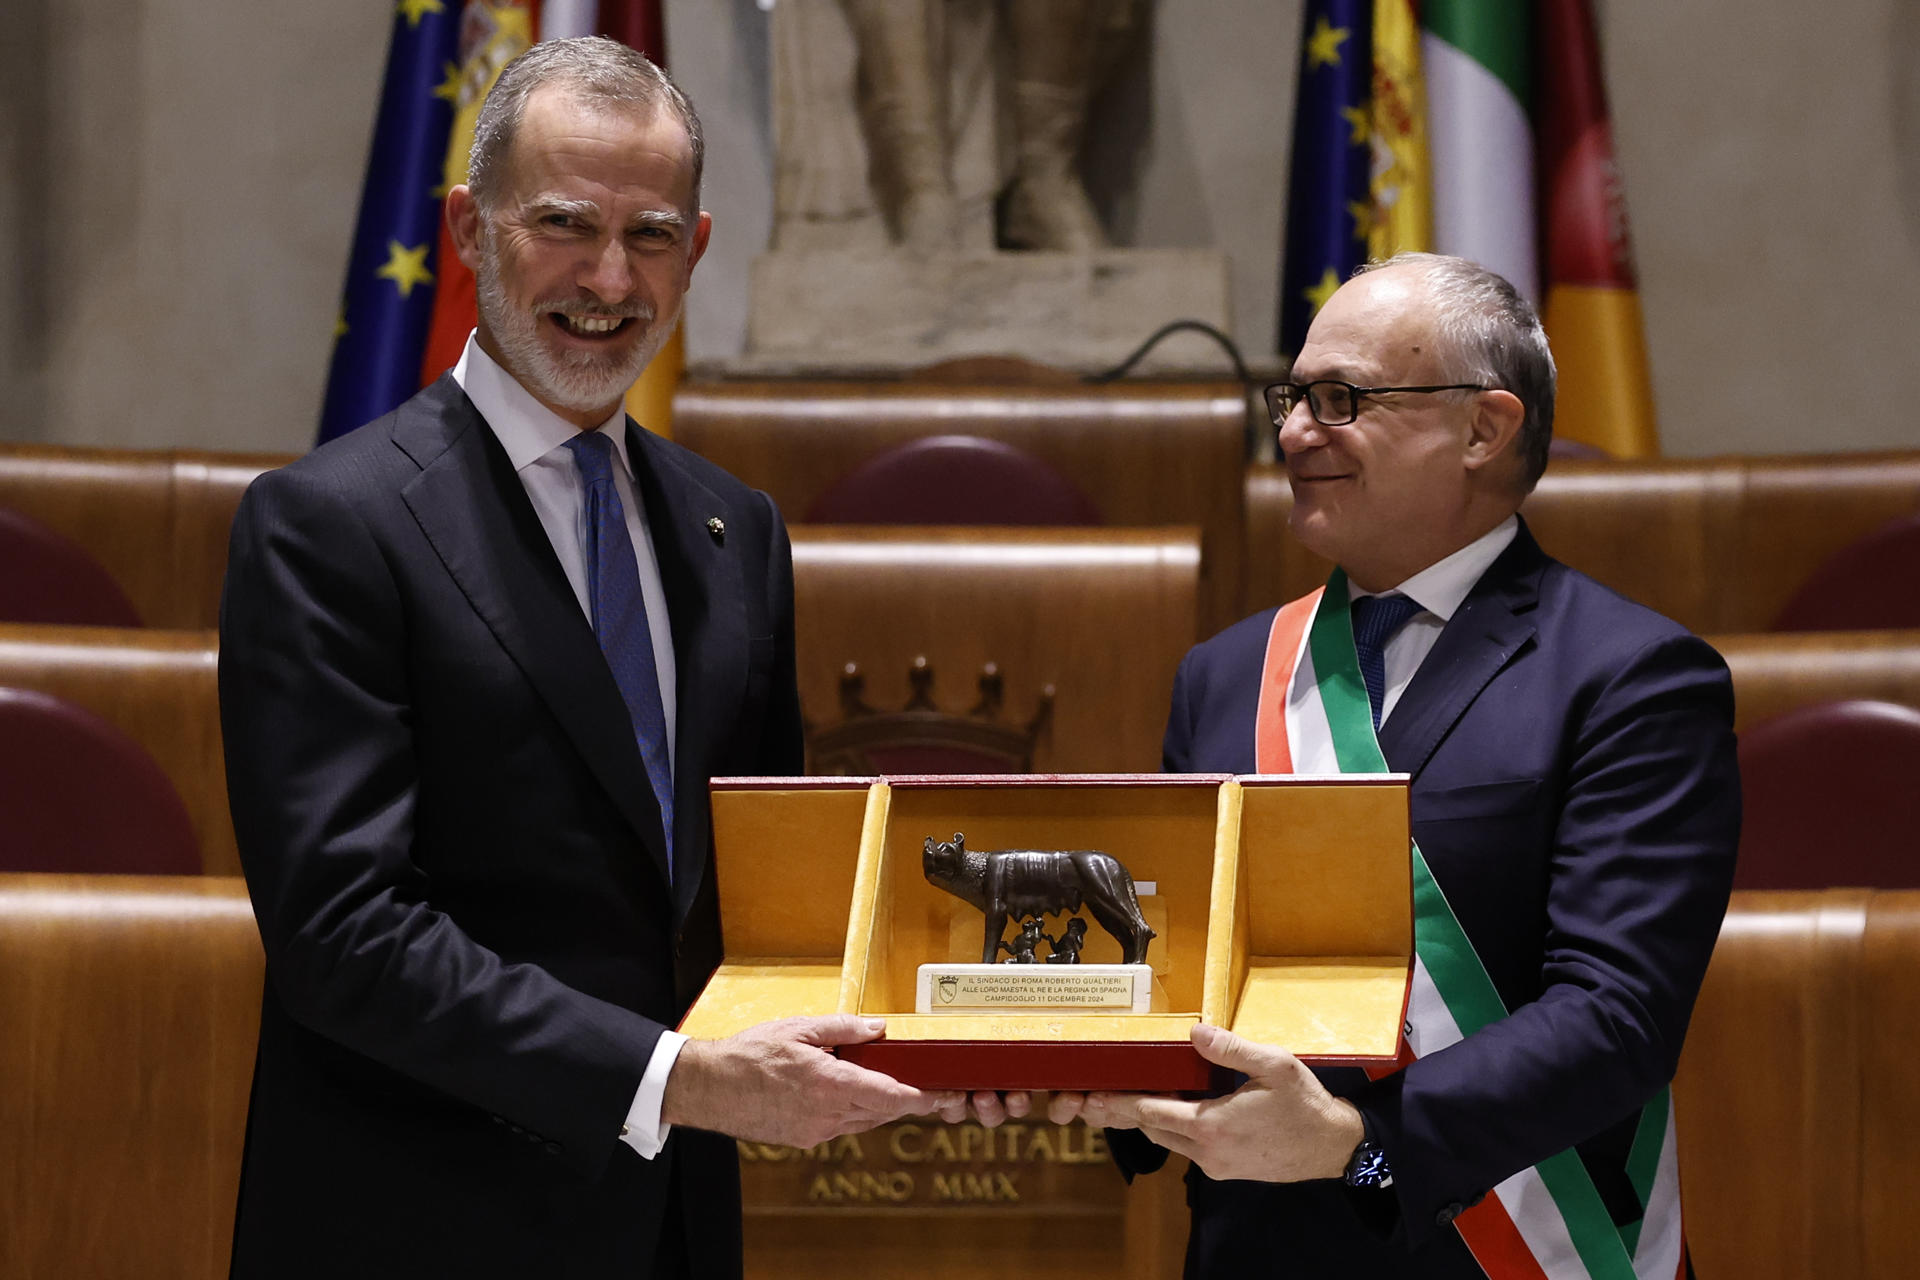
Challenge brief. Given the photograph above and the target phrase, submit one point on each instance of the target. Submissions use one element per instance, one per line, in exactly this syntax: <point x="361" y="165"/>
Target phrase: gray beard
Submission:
<point x="582" y="382"/>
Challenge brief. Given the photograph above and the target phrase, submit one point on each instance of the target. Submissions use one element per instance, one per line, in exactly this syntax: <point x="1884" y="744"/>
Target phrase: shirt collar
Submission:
<point x="1441" y="586"/>
<point x="526" y="429"/>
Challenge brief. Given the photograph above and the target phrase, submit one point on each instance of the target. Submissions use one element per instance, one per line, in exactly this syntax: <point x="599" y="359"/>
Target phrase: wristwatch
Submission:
<point x="1368" y="1165"/>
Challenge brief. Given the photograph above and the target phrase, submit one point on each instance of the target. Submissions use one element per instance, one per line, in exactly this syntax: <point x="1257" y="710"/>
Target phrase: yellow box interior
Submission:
<point x="1311" y="947"/>
<point x="1161" y="831"/>
<point x="785" y="861"/>
<point x="1284" y="907"/>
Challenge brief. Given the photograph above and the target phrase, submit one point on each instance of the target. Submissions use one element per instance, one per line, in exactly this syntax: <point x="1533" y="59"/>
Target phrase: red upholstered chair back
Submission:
<point x="46" y="577"/>
<point x="78" y="795"/>
<point x="1832" y="799"/>
<point x="955" y="480"/>
<point x="1869" y="585"/>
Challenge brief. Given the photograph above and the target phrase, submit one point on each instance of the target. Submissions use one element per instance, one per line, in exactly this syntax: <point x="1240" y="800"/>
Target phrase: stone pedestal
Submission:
<point x="869" y="312"/>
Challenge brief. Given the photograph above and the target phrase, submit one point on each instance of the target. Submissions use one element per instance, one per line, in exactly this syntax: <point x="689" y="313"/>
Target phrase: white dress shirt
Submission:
<point x="1439" y="590"/>
<point x="535" y="438"/>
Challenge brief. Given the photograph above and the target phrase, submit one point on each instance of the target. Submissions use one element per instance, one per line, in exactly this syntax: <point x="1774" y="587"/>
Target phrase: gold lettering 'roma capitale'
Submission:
<point x="833" y="1151"/>
<point x="1011" y="1143"/>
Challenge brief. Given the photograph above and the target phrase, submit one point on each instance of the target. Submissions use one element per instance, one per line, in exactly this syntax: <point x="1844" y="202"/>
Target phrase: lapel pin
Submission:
<point x="717" y="527"/>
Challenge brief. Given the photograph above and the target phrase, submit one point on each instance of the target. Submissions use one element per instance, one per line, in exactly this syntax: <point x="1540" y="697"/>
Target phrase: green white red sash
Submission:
<point x="1543" y="1223"/>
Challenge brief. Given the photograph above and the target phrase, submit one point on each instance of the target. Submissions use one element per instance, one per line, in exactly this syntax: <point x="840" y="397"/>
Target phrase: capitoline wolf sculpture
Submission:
<point x="1014" y="884"/>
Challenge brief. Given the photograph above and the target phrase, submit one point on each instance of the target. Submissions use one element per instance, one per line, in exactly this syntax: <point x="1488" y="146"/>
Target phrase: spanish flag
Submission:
<point x="1401" y="186"/>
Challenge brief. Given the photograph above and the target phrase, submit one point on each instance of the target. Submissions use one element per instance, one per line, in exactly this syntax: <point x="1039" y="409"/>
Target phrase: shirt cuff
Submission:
<point x="644" y="1130"/>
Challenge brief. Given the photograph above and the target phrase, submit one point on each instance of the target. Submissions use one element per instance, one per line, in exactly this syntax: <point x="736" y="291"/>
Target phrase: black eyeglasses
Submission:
<point x="1335" y="404"/>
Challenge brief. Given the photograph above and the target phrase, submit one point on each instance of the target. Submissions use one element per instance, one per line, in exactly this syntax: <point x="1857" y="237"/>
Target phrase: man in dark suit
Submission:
<point x="1575" y="807"/>
<point x="479" y="660"/>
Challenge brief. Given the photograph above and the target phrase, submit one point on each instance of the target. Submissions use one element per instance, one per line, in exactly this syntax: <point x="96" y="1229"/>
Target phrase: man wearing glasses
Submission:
<point x="1575" y="806"/>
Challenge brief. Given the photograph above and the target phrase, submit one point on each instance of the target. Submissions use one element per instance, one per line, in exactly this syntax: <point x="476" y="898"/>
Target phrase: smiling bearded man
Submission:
<point x="479" y="659"/>
<point x="582" y="226"/>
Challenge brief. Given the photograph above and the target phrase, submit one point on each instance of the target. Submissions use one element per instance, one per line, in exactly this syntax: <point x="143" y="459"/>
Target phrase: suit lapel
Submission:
<point x="475" y="513"/>
<point x="703" y="582"/>
<point x="1491" y="626"/>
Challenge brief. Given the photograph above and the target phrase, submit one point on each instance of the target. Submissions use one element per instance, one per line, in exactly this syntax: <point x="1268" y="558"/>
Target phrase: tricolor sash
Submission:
<point x="1544" y="1222"/>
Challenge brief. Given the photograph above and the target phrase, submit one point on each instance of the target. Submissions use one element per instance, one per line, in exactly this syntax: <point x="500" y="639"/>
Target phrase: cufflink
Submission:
<point x="717" y="527"/>
<point x="624" y="1131"/>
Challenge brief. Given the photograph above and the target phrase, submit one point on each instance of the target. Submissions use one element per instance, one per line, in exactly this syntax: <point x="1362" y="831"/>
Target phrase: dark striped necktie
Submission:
<point x="620" y="616"/>
<point x="1375" y="619"/>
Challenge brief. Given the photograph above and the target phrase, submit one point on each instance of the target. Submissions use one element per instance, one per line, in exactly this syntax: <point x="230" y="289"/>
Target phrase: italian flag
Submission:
<point x="1522" y="156"/>
<point x="1546" y="1222"/>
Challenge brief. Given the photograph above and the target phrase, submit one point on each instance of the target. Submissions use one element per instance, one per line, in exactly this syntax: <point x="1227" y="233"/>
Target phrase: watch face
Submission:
<point x="1368" y="1168"/>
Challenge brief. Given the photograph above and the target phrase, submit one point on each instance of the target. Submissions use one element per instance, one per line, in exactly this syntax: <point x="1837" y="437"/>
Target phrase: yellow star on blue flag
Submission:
<point x="1328" y="191"/>
<point x="386" y="307"/>
<point x="406" y="267"/>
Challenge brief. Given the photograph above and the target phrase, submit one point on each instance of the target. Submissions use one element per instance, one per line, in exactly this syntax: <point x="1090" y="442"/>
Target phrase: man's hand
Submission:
<point x="1280" y="1126"/>
<point x="779" y="1082"/>
<point x="994" y="1109"/>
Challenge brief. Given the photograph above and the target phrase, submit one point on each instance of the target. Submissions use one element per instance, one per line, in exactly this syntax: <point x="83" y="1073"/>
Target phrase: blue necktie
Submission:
<point x="620" y="616"/>
<point x="1375" y="619"/>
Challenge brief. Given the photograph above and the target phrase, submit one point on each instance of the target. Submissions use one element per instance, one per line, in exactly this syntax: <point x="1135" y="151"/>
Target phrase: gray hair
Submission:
<point x="599" y="72"/>
<point x="1494" y="336"/>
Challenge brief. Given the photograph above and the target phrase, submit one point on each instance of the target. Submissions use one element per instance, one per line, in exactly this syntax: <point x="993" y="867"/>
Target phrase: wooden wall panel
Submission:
<point x="1145" y="1238"/>
<point x="160" y="689"/>
<point x="1104" y="615"/>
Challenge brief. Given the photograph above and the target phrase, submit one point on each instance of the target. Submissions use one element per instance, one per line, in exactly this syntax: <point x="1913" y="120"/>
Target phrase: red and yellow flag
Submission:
<point x="492" y="34"/>
<point x="1592" y="309"/>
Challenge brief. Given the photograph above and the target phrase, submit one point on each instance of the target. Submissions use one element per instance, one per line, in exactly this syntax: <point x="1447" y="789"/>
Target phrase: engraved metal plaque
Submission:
<point x="1080" y="988"/>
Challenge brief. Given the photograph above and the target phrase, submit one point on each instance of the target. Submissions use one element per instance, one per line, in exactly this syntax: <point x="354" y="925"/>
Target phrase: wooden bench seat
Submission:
<point x="156" y="520"/>
<point x="1717" y="544"/>
<point x="1797" y="1098"/>
<point x="1778" y="672"/>
<point x="1103" y="615"/>
<point x="157" y="687"/>
<point x="1148" y="453"/>
<point x="131" y="1006"/>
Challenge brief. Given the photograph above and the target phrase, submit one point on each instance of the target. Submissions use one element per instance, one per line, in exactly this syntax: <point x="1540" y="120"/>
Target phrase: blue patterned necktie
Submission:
<point x="1375" y="619"/>
<point x="620" y="616"/>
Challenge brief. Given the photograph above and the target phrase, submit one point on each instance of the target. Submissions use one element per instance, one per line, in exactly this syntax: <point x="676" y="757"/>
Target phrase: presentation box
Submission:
<point x="1283" y="909"/>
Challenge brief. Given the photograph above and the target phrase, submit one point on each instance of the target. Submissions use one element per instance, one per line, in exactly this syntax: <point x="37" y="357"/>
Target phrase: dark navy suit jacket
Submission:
<point x="457" y="862"/>
<point x="1575" y="792"/>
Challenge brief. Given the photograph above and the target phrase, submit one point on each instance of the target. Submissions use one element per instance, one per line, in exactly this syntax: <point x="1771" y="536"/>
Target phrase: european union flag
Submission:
<point x="1328" y="197"/>
<point x="388" y="300"/>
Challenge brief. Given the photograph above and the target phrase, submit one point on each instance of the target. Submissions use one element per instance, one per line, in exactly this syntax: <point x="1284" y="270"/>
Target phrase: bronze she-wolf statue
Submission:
<point x="1017" y="883"/>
